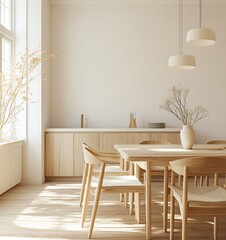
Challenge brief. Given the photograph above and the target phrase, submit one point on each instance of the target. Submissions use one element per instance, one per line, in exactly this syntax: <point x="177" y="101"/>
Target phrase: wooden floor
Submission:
<point x="51" y="211"/>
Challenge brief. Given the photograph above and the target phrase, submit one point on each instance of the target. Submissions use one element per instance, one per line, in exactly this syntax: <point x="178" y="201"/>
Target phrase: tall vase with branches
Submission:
<point x="176" y="104"/>
<point x="14" y="88"/>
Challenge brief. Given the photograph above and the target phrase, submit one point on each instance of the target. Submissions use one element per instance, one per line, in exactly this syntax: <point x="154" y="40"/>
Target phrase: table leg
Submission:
<point x="148" y="201"/>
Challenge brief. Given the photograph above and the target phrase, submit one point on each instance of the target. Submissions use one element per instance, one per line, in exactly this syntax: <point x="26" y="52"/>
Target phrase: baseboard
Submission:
<point x="63" y="179"/>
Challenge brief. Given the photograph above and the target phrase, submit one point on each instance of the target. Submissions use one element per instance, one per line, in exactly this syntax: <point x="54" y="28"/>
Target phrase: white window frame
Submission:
<point x="7" y="34"/>
<point x="10" y="14"/>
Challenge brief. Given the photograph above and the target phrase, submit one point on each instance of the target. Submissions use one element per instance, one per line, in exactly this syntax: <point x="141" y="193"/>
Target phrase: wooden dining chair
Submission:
<point x="161" y="169"/>
<point x="110" y="170"/>
<point x="103" y="183"/>
<point x="197" y="200"/>
<point x="204" y="180"/>
<point x="216" y="142"/>
<point x="155" y="142"/>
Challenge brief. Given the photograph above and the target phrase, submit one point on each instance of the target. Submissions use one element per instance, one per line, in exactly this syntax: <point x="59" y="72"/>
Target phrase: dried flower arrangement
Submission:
<point x="14" y="87"/>
<point x="176" y="103"/>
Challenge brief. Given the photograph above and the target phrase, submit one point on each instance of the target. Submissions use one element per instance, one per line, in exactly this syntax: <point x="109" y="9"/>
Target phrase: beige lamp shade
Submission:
<point x="182" y="62"/>
<point x="201" y="37"/>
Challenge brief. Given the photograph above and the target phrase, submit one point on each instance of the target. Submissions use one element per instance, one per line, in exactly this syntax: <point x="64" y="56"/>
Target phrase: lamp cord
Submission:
<point x="200" y="13"/>
<point x="180" y="27"/>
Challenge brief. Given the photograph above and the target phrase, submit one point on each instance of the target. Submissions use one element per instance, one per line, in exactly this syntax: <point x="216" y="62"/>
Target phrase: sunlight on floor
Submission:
<point x="35" y="216"/>
<point x="52" y="212"/>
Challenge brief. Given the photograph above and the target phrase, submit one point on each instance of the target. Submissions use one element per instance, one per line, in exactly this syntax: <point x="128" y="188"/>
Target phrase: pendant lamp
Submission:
<point x="181" y="62"/>
<point x="201" y="37"/>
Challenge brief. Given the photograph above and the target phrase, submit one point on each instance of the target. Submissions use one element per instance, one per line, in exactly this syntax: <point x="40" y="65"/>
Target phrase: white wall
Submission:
<point x="33" y="162"/>
<point x="32" y="32"/>
<point x="112" y="60"/>
<point x="45" y="74"/>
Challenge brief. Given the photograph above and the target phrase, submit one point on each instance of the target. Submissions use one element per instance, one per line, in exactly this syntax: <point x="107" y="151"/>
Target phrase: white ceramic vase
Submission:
<point x="187" y="136"/>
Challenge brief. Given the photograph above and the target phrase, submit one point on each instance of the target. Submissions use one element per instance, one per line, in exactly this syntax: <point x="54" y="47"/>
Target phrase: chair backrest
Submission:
<point x="155" y="142"/>
<point x="217" y="142"/>
<point x="88" y="147"/>
<point x="89" y="155"/>
<point x="199" y="166"/>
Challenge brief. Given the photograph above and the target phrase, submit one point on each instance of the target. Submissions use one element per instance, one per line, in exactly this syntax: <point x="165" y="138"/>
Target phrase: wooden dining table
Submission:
<point x="150" y="154"/>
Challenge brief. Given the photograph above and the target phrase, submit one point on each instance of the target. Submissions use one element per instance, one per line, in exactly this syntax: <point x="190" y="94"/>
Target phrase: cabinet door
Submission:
<point x="108" y="140"/>
<point x="172" y="137"/>
<point x="93" y="140"/>
<point x="140" y="137"/>
<point x="59" y="154"/>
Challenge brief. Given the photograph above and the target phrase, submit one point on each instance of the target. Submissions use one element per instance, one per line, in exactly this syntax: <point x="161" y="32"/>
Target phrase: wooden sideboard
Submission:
<point x="63" y="147"/>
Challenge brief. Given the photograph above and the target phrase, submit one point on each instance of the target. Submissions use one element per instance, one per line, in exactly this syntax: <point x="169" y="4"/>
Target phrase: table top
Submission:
<point x="132" y="152"/>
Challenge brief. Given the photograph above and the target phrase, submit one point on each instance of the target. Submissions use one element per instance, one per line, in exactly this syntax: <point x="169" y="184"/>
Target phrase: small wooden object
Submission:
<point x="82" y="120"/>
<point x="133" y="122"/>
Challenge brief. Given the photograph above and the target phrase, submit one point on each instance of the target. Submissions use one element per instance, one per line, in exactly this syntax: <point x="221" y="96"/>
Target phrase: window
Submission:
<point x="6" y="35"/>
<point x="6" y="51"/>
<point x="6" y="55"/>
<point x="6" y="13"/>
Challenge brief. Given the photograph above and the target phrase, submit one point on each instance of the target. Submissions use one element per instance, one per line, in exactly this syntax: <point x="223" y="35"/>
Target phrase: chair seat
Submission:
<point x="113" y="169"/>
<point x="143" y="165"/>
<point x="203" y="195"/>
<point x="119" y="183"/>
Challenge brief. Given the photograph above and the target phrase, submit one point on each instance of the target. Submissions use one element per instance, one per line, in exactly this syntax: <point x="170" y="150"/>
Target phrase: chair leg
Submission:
<point x="215" y="237"/>
<point x="172" y="212"/>
<point x="184" y="224"/>
<point x="124" y="195"/>
<point x="84" y="178"/>
<point x="126" y="199"/>
<point x="165" y="200"/>
<point x="96" y="201"/>
<point x="131" y="201"/>
<point x="121" y="197"/>
<point x="137" y="173"/>
<point x="131" y="195"/>
<point x="137" y="208"/>
<point x="195" y="181"/>
<point x="87" y="195"/>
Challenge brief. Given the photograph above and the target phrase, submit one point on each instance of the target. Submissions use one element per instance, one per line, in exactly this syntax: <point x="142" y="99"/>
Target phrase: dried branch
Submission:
<point x="14" y="86"/>
<point x="176" y="103"/>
